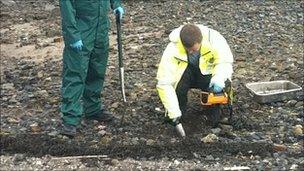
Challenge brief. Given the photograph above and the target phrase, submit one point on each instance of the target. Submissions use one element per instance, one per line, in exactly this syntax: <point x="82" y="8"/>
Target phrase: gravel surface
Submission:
<point x="266" y="38"/>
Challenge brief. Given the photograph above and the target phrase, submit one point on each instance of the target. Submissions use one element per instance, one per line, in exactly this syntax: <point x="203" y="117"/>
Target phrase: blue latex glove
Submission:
<point x="120" y="11"/>
<point x="216" y="87"/>
<point x="77" y="45"/>
<point x="217" y="84"/>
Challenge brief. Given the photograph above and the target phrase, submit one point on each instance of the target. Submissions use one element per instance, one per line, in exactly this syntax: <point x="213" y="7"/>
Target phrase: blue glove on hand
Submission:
<point x="120" y="11"/>
<point x="77" y="45"/>
<point x="216" y="86"/>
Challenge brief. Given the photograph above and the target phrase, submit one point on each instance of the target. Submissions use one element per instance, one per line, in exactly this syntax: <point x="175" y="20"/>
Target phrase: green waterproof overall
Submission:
<point x="84" y="71"/>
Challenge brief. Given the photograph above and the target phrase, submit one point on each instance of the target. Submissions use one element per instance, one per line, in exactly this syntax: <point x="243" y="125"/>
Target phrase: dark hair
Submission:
<point x="190" y="34"/>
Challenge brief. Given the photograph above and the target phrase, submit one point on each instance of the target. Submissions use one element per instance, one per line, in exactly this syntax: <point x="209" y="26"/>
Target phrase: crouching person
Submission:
<point x="196" y="57"/>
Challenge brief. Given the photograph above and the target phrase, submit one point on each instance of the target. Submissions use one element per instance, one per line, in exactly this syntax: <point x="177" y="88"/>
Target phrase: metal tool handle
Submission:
<point x="119" y="44"/>
<point x="120" y="61"/>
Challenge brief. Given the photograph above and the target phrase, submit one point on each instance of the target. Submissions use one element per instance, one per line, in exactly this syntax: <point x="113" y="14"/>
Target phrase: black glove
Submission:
<point x="173" y="121"/>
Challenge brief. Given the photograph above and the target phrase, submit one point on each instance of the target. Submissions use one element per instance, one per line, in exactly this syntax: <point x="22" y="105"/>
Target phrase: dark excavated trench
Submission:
<point x="42" y="144"/>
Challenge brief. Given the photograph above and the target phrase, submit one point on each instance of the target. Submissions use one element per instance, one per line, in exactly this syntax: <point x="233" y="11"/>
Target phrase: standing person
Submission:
<point x="85" y="26"/>
<point x="196" y="57"/>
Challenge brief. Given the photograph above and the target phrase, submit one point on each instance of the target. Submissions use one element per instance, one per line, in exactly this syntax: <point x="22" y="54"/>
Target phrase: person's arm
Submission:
<point x="223" y="63"/>
<point x="70" y="31"/>
<point x="166" y="82"/>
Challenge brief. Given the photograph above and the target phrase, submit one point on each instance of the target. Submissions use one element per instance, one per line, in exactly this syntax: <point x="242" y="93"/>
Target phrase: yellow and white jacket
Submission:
<point x="216" y="59"/>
